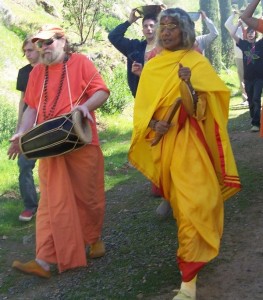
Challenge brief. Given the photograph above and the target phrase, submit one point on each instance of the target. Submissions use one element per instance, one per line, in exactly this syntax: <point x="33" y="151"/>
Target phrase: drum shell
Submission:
<point x="51" y="138"/>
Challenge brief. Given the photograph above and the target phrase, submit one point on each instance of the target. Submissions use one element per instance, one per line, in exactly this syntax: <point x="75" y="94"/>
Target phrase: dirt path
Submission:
<point x="236" y="274"/>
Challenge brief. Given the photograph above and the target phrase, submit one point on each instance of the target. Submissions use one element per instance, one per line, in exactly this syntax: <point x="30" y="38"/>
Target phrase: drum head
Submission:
<point x="187" y="98"/>
<point x="82" y="127"/>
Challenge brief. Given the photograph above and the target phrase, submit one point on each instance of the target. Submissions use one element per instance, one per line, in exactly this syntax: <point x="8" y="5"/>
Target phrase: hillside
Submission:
<point x="28" y="16"/>
<point x="140" y="260"/>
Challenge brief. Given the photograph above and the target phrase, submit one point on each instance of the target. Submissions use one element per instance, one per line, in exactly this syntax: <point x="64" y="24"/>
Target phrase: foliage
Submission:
<point x="108" y="22"/>
<point x="131" y="232"/>
<point x="227" y="43"/>
<point x="8" y="114"/>
<point x="84" y="15"/>
<point x="120" y="95"/>
<point x="18" y="30"/>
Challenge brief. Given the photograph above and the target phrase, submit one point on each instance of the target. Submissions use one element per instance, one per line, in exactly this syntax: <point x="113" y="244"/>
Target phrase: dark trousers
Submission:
<point x="254" y="90"/>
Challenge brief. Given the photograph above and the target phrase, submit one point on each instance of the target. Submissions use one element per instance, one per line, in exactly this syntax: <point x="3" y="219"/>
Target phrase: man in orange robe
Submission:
<point x="72" y="202"/>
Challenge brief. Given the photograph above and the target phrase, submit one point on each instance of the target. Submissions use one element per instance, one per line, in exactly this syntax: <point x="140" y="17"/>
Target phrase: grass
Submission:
<point x="140" y="256"/>
<point x="138" y="245"/>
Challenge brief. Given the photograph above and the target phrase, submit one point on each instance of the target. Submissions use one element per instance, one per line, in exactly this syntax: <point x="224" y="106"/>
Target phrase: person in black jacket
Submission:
<point x="134" y="49"/>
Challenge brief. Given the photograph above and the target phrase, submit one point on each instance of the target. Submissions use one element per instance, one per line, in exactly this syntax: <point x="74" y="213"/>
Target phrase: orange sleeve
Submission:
<point x="260" y="26"/>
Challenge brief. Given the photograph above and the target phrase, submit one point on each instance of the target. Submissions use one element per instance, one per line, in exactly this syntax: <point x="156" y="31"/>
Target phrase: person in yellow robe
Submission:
<point x="193" y="163"/>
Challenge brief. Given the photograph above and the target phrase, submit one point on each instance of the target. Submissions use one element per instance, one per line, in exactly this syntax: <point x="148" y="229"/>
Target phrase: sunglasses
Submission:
<point x="45" y="42"/>
<point x="169" y="26"/>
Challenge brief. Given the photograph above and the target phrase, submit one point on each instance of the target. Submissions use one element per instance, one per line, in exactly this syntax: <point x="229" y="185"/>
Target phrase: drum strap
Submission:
<point x="83" y="92"/>
<point x="69" y="91"/>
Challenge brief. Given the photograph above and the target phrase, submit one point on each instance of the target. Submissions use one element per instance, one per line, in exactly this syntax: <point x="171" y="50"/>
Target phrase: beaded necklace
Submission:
<point x="51" y="112"/>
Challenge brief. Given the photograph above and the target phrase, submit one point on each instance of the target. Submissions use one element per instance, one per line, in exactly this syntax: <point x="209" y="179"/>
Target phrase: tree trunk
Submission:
<point x="213" y="53"/>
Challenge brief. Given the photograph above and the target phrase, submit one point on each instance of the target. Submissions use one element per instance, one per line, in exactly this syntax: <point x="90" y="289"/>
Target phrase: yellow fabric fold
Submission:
<point x="193" y="163"/>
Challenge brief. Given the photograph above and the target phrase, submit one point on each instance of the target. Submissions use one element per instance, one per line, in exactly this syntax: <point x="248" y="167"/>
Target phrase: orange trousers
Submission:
<point x="71" y="207"/>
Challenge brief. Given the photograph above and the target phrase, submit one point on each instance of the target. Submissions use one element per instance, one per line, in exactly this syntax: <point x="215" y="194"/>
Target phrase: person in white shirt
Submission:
<point x="204" y="41"/>
<point x="229" y="24"/>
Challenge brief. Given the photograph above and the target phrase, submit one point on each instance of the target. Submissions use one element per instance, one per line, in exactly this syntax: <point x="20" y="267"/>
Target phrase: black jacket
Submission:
<point x="133" y="49"/>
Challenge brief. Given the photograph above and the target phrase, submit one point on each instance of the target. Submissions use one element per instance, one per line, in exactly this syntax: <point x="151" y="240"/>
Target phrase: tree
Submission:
<point x="227" y="44"/>
<point x="211" y="7"/>
<point x="83" y="15"/>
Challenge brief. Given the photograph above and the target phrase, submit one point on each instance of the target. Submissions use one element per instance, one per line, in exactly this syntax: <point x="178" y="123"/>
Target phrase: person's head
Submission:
<point x="251" y="34"/>
<point x="175" y="30"/>
<point x="51" y="43"/>
<point x="148" y="27"/>
<point x="29" y="50"/>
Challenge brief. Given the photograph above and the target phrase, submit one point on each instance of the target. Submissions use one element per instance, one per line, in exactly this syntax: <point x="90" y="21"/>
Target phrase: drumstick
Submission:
<point x="169" y="118"/>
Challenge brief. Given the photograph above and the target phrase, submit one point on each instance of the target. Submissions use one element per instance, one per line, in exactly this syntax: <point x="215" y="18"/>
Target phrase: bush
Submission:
<point x="8" y="119"/>
<point x="120" y="94"/>
<point x="108" y="22"/>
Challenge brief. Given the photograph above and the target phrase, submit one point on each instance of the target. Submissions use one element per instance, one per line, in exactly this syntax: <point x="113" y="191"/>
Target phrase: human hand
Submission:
<point x="163" y="6"/>
<point x="136" y="68"/>
<point x="133" y="17"/>
<point x="203" y="14"/>
<point x="14" y="149"/>
<point x="84" y="110"/>
<point x="184" y="73"/>
<point x="162" y="127"/>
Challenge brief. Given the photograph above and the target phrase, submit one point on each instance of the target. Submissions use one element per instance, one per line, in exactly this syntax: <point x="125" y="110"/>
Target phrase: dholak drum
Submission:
<point x="56" y="136"/>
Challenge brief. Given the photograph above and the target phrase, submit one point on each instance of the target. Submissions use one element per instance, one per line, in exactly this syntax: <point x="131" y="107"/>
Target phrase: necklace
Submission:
<point x="52" y="109"/>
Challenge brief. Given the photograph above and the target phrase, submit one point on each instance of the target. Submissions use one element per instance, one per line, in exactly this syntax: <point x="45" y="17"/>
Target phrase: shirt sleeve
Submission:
<point x="229" y="25"/>
<point x="117" y="39"/>
<point x="21" y="82"/>
<point x="206" y="39"/>
<point x="93" y="78"/>
<point x="260" y="25"/>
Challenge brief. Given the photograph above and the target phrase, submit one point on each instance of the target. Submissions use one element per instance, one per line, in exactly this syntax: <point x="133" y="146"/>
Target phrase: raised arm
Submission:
<point x="205" y="40"/>
<point x="213" y="32"/>
<point x="248" y="13"/>
<point x="117" y="35"/>
<point x="233" y="32"/>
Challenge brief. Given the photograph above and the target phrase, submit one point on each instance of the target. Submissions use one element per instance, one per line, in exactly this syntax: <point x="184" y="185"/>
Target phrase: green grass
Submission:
<point x="115" y="141"/>
<point x="8" y="171"/>
<point x="141" y="249"/>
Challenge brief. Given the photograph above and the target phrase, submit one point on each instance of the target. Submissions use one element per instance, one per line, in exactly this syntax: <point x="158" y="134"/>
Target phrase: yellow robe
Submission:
<point x="193" y="163"/>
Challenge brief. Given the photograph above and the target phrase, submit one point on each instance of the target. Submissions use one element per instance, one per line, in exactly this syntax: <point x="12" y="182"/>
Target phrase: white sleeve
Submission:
<point x="211" y="27"/>
<point x="206" y="39"/>
<point x="229" y="23"/>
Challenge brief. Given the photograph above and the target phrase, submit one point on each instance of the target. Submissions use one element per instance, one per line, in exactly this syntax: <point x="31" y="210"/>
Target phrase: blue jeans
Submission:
<point x="26" y="183"/>
<point x="254" y="90"/>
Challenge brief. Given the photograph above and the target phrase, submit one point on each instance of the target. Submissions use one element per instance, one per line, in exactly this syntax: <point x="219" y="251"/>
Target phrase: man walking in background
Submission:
<point x="26" y="180"/>
<point x="134" y="49"/>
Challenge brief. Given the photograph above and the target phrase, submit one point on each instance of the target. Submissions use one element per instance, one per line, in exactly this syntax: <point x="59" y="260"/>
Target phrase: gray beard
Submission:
<point x="46" y="60"/>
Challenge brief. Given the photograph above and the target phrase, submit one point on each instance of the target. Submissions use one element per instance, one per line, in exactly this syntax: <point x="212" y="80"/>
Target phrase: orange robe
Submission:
<point x="193" y="164"/>
<point x="72" y="199"/>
